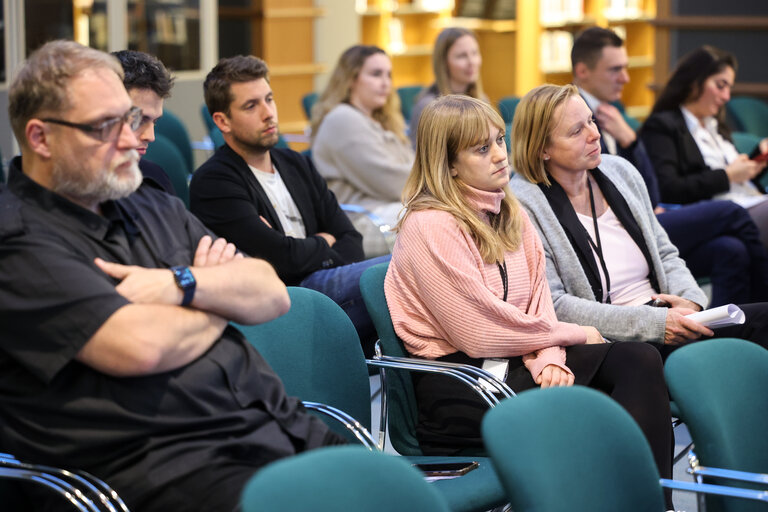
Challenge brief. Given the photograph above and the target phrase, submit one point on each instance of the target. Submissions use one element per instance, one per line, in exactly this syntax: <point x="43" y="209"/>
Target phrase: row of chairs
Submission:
<point x="323" y="340"/>
<point x="540" y="438"/>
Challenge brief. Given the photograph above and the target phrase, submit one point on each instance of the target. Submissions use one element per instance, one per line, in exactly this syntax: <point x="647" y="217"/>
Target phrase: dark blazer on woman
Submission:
<point x="228" y="198"/>
<point x="682" y="174"/>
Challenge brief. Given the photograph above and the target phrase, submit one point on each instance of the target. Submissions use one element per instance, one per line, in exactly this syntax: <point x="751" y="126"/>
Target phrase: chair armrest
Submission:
<point x="63" y="489"/>
<point x="80" y="483"/>
<point x="480" y="374"/>
<point x="697" y="470"/>
<point x="731" y="474"/>
<point x="719" y="490"/>
<point x="378" y="221"/>
<point x="413" y="365"/>
<point x="350" y="423"/>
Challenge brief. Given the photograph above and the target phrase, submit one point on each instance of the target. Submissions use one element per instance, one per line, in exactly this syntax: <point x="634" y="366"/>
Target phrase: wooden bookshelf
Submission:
<point x="281" y="33"/>
<point x="406" y="30"/>
<point x="512" y="48"/>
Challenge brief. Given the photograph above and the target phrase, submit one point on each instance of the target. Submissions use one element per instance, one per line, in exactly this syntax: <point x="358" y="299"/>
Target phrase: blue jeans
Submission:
<point x="342" y="285"/>
<point x="718" y="239"/>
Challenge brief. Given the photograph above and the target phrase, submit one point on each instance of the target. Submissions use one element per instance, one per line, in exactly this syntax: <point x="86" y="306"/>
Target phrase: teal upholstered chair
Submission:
<point x="307" y="102"/>
<point x="507" y="107"/>
<point x="574" y="449"/>
<point x="571" y="449"/>
<point x="408" y="95"/>
<point x="745" y="142"/>
<point x="315" y="350"/>
<point x="164" y="153"/>
<point x="721" y="387"/>
<point x="341" y="479"/>
<point x="170" y="126"/>
<point x="749" y="115"/>
<point x="401" y="409"/>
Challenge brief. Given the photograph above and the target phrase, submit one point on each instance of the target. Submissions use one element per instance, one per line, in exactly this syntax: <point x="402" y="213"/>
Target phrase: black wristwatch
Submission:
<point x="186" y="282"/>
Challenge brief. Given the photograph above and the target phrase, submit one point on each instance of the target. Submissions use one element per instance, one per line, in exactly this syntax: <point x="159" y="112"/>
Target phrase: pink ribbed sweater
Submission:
<point x="444" y="298"/>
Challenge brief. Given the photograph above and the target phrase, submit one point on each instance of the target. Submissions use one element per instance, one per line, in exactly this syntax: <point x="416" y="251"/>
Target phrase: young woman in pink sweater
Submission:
<point x="468" y="281"/>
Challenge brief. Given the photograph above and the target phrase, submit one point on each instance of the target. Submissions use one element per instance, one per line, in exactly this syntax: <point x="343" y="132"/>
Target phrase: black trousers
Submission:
<point x="630" y="372"/>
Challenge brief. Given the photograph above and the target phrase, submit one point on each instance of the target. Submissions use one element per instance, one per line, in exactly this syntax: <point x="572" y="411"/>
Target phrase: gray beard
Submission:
<point x="73" y="184"/>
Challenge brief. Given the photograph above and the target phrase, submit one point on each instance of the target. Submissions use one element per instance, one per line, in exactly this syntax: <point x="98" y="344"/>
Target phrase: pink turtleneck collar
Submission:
<point x="484" y="201"/>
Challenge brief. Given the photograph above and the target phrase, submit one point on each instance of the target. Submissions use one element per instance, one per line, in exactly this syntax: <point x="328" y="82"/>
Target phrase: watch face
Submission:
<point x="186" y="281"/>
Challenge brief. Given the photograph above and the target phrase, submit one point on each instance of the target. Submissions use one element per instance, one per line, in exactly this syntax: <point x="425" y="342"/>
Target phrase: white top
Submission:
<point x="593" y="103"/>
<point x="718" y="153"/>
<point x="284" y="205"/>
<point x="626" y="264"/>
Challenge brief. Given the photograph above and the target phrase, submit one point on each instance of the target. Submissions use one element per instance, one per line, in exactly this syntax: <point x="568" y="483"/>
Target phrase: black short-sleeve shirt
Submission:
<point x="138" y="433"/>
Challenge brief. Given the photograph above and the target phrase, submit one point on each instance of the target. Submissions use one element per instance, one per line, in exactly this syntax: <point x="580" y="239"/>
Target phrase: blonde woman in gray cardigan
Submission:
<point x="359" y="144"/>
<point x="608" y="258"/>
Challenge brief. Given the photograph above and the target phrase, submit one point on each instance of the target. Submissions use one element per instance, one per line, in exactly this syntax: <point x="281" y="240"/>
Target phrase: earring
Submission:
<point x="546" y="157"/>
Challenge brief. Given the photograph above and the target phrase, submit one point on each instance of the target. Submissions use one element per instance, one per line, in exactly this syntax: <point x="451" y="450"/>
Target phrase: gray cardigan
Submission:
<point x="571" y="292"/>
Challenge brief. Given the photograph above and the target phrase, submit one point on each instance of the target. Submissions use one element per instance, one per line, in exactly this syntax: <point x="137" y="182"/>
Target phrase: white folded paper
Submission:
<point x="722" y="316"/>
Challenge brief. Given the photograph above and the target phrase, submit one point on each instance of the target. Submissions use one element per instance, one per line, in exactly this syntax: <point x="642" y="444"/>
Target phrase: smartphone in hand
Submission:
<point x="761" y="157"/>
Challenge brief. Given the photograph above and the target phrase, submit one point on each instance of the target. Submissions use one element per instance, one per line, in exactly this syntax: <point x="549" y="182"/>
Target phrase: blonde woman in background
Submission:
<point x="456" y="62"/>
<point x="359" y="144"/>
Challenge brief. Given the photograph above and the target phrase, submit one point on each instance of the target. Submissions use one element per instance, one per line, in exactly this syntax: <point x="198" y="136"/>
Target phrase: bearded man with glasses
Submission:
<point x="117" y="355"/>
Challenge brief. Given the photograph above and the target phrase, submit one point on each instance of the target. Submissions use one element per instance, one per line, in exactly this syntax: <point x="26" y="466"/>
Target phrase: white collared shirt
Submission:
<point x="593" y="103"/>
<point x="718" y="153"/>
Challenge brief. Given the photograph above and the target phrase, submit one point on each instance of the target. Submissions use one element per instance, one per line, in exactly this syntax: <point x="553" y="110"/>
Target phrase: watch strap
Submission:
<point x="186" y="283"/>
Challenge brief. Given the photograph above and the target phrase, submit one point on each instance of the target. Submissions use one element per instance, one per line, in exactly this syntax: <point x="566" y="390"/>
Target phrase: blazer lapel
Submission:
<point x="574" y="230"/>
<point x="255" y="187"/>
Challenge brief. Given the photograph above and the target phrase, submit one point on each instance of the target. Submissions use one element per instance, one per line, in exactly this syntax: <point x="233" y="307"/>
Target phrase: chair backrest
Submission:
<point x="402" y="414"/>
<point x="571" y="449"/>
<point x="307" y="102"/>
<point x="341" y="478"/>
<point x="749" y="115"/>
<point x="721" y="388"/>
<point x="164" y="153"/>
<point x="315" y="350"/>
<point x="507" y="107"/>
<point x="408" y="95"/>
<point x="745" y="142"/>
<point x="170" y="126"/>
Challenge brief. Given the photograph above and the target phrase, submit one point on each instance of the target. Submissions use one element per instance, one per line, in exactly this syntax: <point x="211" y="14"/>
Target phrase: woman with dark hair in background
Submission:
<point x="456" y="62"/>
<point x="690" y="145"/>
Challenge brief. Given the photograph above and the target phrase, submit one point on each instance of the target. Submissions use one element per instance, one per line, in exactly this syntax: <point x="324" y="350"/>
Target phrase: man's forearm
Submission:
<point x="247" y="291"/>
<point x="141" y="339"/>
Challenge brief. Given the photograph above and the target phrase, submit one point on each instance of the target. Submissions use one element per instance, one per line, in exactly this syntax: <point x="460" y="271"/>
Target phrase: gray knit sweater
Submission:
<point x="571" y="292"/>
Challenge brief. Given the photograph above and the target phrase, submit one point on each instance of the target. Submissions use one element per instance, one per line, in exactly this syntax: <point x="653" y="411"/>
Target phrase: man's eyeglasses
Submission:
<point x="108" y="130"/>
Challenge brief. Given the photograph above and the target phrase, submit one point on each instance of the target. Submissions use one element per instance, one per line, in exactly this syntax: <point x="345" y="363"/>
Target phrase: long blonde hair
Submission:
<point x="534" y="121"/>
<point x="445" y="40"/>
<point x="338" y="91"/>
<point x="449" y="125"/>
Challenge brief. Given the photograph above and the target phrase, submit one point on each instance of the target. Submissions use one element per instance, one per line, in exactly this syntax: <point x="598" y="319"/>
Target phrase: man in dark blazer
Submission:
<point x="717" y="239"/>
<point x="271" y="202"/>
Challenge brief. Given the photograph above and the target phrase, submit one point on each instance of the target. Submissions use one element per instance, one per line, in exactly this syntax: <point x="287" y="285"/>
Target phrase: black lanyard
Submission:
<point x="504" y="279"/>
<point x="598" y="248"/>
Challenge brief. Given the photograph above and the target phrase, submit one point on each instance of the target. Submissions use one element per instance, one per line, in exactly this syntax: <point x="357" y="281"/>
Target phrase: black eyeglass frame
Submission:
<point x="104" y="130"/>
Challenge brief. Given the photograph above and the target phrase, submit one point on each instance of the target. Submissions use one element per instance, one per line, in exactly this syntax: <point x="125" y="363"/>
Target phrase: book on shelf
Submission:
<point x="555" y="47"/>
<point x="502" y="10"/>
<point x="472" y="8"/>
<point x="557" y="12"/>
